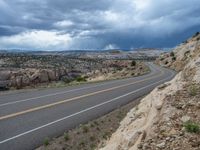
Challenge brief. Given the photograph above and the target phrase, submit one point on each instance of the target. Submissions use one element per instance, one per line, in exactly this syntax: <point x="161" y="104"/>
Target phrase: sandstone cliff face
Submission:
<point x="158" y="121"/>
<point x="30" y="77"/>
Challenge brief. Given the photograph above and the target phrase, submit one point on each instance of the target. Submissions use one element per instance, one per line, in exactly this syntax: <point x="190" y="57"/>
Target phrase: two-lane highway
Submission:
<point x="27" y="118"/>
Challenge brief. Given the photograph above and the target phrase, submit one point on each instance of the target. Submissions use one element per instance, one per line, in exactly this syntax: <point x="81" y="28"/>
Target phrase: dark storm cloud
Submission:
<point x="74" y="24"/>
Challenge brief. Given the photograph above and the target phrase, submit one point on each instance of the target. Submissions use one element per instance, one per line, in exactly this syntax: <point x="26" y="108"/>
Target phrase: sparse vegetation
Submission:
<point x="91" y="135"/>
<point x="192" y="90"/>
<point x="66" y="79"/>
<point x="106" y="135"/>
<point x="174" y="58"/>
<point x="192" y="127"/>
<point x="46" y="141"/>
<point x="133" y="63"/>
<point x="80" y="79"/>
<point x="92" y="138"/>
<point x="196" y="34"/>
<point x="82" y="143"/>
<point x="172" y="54"/>
<point x="66" y="136"/>
<point x="85" y="129"/>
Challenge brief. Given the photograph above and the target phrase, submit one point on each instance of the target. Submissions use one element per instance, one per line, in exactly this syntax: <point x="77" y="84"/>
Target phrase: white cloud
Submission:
<point x="64" y="24"/>
<point x="111" y="46"/>
<point x="37" y="39"/>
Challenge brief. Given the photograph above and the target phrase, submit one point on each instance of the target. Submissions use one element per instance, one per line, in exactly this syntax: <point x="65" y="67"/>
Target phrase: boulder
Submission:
<point x="51" y="75"/>
<point x="18" y="81"/>
<point x="5" y="75"/>
<point x="43" y="76"/>
<point x="34" y="78"/>
<point x="25" y="81"/>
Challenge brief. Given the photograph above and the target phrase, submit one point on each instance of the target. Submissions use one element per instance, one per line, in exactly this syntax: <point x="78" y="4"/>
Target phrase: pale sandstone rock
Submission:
<point x="5" y="75"/>
<point x="144" y="118"/>
<point x="152" y="107"/>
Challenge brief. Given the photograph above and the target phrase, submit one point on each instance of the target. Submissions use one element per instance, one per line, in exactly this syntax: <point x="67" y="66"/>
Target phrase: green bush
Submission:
<point x="85" y="129"/>
<point x="46" y="141"/>
<point x="66" y="79"/>
<point x="174" y="58"/>
<point x="192" y="90"/>
<point x="80" y="79"/>
<point x="192" y="127"/>
<point x="66" y="136"/>
<point x="133" y="63"/>
<point x="172" y="54"/>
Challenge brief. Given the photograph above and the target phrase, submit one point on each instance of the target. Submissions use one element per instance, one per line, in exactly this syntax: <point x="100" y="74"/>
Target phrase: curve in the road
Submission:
<point x="31" y="119"/>
<point x="74" y="98"/>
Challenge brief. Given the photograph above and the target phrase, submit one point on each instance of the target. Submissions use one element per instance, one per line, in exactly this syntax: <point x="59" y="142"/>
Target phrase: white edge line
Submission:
<point x="64" y="92"/>
<point x="85" y="110"/>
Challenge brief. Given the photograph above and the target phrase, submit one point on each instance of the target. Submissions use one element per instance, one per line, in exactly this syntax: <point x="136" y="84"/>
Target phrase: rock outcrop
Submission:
<point x="30" y="77"/>
<point x="34" y="70"/>
<point x="158" y="122"/>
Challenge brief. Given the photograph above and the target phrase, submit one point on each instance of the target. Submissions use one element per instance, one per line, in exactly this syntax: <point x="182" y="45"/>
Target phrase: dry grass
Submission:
<point x="91" y="135"/>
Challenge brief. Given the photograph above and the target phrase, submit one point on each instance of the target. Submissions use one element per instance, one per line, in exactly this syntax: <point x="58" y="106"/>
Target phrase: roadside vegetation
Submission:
<point x="90" y="135"/>
<point x="193" y="90"/>
<point x="192" y="127"/>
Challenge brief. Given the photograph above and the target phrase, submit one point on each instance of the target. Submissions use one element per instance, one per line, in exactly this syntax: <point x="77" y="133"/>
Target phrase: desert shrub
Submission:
<point x="92" y="138"/>
<point x="67" y="79"/>
<point x="92" y="146"/>
<point x="196" y="34"/>
<point x="192" y="90"/>
<point x="82" y="143"/>
<point x="174" y="58"/>
<point x="192" y="127"/>
<point x="85" y="129"/>
<point x="133" y="63"/>
<point x="106" y="135"/>
<point x="46" y="141"/>
<point x="80" y="79"/>
<point x="172" y="54"/>
<point x="162" y="58"/>
<point x="66" y="136"/>
<point x="86" y="77"/>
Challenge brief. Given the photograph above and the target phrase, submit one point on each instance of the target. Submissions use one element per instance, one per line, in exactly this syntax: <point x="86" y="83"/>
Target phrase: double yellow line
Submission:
<point x="74" y="98"/>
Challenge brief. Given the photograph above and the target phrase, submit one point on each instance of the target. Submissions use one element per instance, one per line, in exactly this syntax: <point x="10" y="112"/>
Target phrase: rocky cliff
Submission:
<point x="169" y="117"/>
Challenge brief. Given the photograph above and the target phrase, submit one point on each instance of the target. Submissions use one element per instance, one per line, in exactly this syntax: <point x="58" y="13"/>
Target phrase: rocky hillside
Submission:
<point x="169" y="117"/>
<point x="182" y="54"/>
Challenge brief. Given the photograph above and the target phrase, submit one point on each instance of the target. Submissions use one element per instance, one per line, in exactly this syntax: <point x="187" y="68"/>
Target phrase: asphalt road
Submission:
<point x="28" y="117"/>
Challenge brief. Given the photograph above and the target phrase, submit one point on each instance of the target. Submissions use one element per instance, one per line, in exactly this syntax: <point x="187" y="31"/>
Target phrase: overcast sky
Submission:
<point x="96" y="24"/>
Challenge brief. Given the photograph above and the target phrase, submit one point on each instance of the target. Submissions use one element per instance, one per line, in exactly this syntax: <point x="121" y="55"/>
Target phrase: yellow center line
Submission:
<point x="74" y="98"/>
